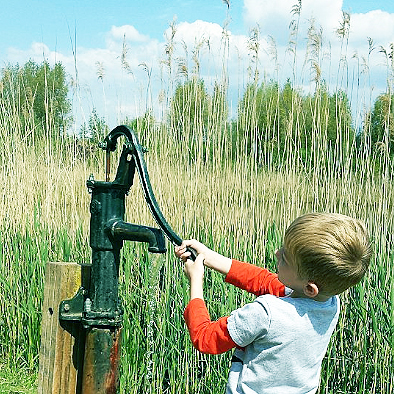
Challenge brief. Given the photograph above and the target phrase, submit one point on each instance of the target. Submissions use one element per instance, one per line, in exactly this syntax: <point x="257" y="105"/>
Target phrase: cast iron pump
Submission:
<point x="96" y="306"/>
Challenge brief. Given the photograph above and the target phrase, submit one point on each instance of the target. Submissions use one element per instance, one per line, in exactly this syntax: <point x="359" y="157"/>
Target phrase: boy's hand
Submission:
<point x="194" y="270"/>
<point x="182" y="252"/>
<point x="212" y="259"/>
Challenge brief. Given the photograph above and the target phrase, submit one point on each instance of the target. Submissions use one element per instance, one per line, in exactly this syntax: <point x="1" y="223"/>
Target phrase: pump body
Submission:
<point x="96" y="306"/>
<point x="96" y="309"/>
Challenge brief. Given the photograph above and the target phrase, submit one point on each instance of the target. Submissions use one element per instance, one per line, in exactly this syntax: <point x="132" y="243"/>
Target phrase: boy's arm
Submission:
<point x="211" y="337"/>
<point x="254" y="279"/>
<point x="212" y="260"/>
<point x="206" y="336"/>
<point x="246" y="276"/>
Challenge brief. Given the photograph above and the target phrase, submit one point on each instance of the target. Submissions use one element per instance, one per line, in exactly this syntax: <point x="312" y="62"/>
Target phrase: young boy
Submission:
<point x="281" y="337"/>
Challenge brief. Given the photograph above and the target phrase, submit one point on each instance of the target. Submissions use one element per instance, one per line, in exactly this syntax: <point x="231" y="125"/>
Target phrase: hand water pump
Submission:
<point x="96" y="306"/>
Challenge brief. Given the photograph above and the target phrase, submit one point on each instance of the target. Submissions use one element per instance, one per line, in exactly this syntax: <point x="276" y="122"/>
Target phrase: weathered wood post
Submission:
<point x="61" y="353"/>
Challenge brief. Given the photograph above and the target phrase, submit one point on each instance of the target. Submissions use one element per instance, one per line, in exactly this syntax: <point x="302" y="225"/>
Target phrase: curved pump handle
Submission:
<point x="110" y="141"/>
<point x="137" y="152"/>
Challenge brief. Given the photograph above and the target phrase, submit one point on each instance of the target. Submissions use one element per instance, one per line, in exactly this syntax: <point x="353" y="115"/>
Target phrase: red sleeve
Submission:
<point x="212" y="337"/>
<point x="254" y="279"/>
<point x="207" y="336"/>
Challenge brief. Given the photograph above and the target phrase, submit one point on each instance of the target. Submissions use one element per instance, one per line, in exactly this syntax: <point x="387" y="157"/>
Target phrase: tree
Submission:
<point x="267" y="119"/>
<point x="326" y="128"/>
<point x="38" y="93"/>
<point x="278" y="124"/>
<point x="96" y="130"/>
<point x="189" y="109"/>
<point x="143" y="126"/>
<point x="189" y="117"/>
<point x="382" y="124"/>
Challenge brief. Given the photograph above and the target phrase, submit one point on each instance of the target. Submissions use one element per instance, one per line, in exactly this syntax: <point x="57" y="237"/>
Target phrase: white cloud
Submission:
<point x="263" y="11"/>
<point x="121" y="93"/>
<point x="199" y="36"/>
<point x="129" y="32"/>
<point x="328" y="13"/>
<point x="198" y="30"/>
<point x="38" y="52"/>
<point x="274" y="16"/>
<point x="378" y="25"/>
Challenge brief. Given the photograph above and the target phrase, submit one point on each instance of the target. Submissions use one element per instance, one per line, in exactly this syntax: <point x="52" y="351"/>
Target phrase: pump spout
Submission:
<point x="121" y="230"/>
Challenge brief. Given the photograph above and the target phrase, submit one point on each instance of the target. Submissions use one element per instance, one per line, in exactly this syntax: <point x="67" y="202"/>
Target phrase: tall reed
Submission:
<point x="227" y="184"/>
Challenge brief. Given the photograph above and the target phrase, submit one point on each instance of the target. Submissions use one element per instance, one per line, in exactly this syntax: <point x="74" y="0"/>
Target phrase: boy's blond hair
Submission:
<point x="331" y="250"/>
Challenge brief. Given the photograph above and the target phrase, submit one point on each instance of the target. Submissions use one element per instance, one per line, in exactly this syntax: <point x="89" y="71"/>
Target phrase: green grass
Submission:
<point x="239" y="209"/>
<point x="157" y="355"/>
<point x="17" y="381"/>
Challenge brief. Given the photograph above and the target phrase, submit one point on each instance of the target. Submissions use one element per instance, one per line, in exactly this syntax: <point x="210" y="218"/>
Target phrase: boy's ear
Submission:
<point x="311" y="290"/>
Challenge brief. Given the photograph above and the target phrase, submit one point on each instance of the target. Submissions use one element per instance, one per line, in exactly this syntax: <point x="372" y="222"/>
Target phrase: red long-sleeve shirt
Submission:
<point x="212" y="337"/>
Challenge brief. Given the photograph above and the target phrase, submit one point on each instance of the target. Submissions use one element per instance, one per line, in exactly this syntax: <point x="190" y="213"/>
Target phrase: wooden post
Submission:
<point x="61" y="354"/>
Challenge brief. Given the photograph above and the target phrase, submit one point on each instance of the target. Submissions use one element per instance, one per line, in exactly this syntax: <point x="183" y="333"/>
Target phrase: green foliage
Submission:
<point x="326" y="130"/>
<point x="23" y="256"/>
<point x="38" y="94"/>
<point x="275" y="122"/>
<point x="142" y="126"/>
<point x="197" y="119"/>
<point x="189" y="109"/>
<point x="376" y="138"/>
<point x="96" y="129"/>
<point x="382" y="123"/>
<point x="20" y="381"/>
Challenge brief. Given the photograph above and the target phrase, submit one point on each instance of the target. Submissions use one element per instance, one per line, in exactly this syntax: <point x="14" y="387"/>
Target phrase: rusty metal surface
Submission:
<point x="101" y="364"/>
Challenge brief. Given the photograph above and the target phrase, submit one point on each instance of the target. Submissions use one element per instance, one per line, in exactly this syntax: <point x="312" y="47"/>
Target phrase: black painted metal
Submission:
<point x="108" y="230"/>
<point x="97" y="306"/>
<point x="109" y="144"/>
<point x="139" y="162"/>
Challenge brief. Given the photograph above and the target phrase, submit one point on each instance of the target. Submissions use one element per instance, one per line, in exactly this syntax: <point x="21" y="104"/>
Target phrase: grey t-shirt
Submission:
<point x="285" y="340"/>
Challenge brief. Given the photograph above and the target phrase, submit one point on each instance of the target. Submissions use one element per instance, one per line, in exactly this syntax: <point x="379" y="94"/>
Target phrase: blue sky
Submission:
<point x="95" y="30"/>
<point x="52" y="21"/>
